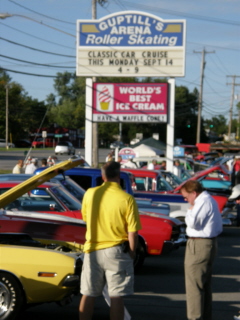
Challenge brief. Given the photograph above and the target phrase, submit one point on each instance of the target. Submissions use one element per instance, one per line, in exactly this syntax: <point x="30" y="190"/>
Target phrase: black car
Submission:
<point x="22" y="143"/>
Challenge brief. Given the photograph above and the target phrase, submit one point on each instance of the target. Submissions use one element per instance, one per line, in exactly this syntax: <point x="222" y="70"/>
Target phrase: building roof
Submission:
<point x="151" y="142"/>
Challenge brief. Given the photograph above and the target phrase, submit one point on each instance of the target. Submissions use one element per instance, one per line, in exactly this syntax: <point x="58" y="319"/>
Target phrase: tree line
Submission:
<point x="66" y="108"/>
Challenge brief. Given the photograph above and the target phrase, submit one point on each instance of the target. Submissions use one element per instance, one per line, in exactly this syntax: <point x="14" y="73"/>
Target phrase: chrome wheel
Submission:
<point x="5" y="298"/>
<point x="11" y="297"/>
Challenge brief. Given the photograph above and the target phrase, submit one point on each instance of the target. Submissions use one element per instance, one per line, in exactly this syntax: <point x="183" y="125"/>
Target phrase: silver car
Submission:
<point x="64" y="147"/>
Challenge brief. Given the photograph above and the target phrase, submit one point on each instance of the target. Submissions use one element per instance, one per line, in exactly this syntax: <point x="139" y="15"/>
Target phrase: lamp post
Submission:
<point x="7" y="15"/>
<point x="6" y="116"/>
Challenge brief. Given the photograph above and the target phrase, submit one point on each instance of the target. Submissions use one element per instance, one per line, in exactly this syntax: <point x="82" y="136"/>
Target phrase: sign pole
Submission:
<point x="170" y="125"/>
<point x="88" y="121"/>
<point x="94" y="161"/>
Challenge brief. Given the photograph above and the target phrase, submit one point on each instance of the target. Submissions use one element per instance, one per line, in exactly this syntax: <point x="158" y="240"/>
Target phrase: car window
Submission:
<point x="140" y="184"/>
<point x="163" y="185"/>
<point x="83" y="181"/>
<point x="73" y="188"/>
<point x="36" y="200"/>
<point x="62" y="144"/>
<point x="66" y="198"/>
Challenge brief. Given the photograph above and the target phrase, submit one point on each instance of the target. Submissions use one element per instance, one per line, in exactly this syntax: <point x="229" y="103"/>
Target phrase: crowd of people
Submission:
<point x="204" y="225"/>
<point x="31" y="164"/>
<point x="113" y="222"/>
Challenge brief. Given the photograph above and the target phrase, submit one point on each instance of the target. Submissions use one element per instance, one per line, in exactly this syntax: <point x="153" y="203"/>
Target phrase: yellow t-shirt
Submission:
<point x="110" y="213"/>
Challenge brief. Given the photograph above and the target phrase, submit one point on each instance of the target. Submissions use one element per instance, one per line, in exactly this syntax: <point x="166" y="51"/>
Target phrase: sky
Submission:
<point x="40" y="40"/>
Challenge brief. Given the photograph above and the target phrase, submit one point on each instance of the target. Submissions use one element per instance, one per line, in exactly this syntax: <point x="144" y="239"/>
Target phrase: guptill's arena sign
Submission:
<point x="130" y="102"/>
<point x="131" y="43"/>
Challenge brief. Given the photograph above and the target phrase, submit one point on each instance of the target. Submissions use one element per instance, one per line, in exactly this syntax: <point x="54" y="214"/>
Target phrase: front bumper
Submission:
<point x="169" y="245"/>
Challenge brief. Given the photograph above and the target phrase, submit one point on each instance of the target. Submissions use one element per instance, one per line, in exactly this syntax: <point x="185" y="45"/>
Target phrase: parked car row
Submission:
<point x="42" y="221"/>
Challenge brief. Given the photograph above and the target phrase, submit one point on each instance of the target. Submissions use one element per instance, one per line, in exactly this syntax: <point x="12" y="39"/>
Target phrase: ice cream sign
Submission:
<point x="130" y="102"/>
<point x="131" y="43"/>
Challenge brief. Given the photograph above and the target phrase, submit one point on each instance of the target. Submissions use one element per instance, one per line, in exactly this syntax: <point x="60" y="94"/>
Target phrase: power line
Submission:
<point x="31" y="48"/>
<point x="179" y="13"/>
<point x="36" y="63"/>
<point x="217" y="47"/>
<point x="41" y="14"/>
<point x="35" y="37"/>
<point x="29" y="74"/>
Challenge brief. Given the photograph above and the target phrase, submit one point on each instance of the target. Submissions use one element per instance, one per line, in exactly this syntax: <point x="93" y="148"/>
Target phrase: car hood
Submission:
<point x="162" y="217"/>
<point x="36" y="180"/>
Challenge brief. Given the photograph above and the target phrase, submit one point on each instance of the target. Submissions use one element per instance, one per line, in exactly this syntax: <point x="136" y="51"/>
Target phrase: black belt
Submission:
<point x="195" y="238"/>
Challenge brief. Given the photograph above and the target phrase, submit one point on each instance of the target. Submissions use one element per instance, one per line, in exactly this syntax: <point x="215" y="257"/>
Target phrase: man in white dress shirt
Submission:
<point x="32" y="166"/>
<point x="204" y="224"/>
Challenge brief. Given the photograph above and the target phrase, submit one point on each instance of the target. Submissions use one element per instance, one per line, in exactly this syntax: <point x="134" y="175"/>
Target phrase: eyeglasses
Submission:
<point x="188" y="195"/>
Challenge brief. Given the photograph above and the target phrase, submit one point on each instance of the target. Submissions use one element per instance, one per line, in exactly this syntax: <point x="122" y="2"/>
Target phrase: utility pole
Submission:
<point x="231" y="104"/>
<point x="203" y="64"/>
<point x="6" y="116"/>
<point x="95" y="124"/>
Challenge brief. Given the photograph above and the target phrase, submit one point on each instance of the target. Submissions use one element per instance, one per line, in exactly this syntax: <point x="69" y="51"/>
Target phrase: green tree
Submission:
<point x="67" y="106"/>
<point x="70" y="98"/>
<point x="24" y="112"/>
<point x="186" y="106"/>
<point x="217" y="124"/>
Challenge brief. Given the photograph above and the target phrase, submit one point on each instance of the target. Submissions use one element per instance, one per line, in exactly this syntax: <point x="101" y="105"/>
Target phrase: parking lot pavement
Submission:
<point x="159" y="288"/>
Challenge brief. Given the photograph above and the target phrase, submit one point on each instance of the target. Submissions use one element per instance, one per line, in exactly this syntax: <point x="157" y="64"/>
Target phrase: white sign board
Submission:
<point x="131" y="43"/>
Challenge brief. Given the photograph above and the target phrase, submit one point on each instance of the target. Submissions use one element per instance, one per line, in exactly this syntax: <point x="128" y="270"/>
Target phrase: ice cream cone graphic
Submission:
<point x="104" y="98"/>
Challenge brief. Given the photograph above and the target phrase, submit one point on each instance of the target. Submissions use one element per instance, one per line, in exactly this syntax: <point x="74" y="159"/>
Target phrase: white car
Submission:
<point x="65" y="147"/>
<point x="3" y="144"/>
<point x="117" y="144"/>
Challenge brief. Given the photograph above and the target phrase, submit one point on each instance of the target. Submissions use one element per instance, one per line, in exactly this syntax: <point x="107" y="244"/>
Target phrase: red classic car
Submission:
<point x="159" y="234"/>
<point x="48" y="198"/>
<point x="214" y="179"/>
<point x="152" y="184"/>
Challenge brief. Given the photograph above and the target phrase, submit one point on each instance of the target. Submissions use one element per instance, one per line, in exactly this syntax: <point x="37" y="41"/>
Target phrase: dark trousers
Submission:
<point x="198" y="264"/>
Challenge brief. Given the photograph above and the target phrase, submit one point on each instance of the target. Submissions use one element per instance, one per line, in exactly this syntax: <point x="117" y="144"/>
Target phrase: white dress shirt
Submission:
<point x="30" y="168"/>
<point x="204" y="220"/>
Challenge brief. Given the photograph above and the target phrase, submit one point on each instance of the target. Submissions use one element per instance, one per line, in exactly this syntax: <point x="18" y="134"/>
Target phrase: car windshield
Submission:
<point x="73" y="188"/>
<point x="172" y="179"/>
<point x="163" y="185"/>
<point x="44" y="199"/>
<point x="69" y="200"/>
<point x="36" y="200"/>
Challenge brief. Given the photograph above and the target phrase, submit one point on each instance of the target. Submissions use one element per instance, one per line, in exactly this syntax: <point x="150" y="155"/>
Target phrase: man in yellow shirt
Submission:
<point x="113" y="222"/>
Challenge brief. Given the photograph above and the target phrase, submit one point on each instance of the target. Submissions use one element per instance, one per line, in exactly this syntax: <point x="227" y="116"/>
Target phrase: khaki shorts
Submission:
<point x="111" y="266"/>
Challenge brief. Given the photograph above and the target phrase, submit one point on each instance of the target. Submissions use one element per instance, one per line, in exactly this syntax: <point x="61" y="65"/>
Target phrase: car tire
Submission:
<point x="56" y="153"/>
<point x="11" y="297"/>
<point x="140" y="255"/>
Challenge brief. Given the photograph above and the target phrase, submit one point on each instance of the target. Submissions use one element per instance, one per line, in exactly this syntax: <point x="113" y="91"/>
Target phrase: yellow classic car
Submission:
<point x="31" y="273"/>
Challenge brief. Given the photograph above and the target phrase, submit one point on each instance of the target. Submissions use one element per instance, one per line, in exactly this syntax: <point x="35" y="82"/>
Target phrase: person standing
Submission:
<point x="18" y="167"/>
<point x="177" y="168"/>
<point x="163" y="165"/>
<point x="235" y="196"/>
<point x="44" y="162"/>
<point x="204" y="224"/>
<point x="235" y="175"/>
<point x="113" y="222"/>
<point x="32" y="166"/>
<point x="110" y="156"/>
